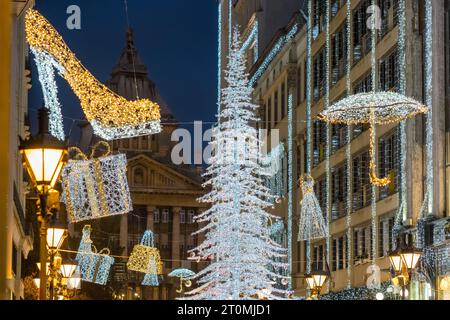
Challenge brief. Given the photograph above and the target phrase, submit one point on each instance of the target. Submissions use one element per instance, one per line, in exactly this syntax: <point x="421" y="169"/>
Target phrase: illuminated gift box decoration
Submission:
<point x="94" y="266"/>
<point x="145" y="257"/>
<point x="97" y="187"/>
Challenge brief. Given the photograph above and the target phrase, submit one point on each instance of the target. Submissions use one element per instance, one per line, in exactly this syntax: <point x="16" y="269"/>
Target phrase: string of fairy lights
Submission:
<point x="290" y="185"/>
<point x="349" y="149"/>
<point x="373" y="138"/>
<point x="308" y="116"/>
<point x="429" y="102"/>
<point x="328" y="177"/>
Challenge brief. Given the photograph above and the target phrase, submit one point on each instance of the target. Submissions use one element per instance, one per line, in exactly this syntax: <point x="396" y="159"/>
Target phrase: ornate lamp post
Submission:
<point x="44" y="157"/>
<point x="404" y="261"/>
<point x="316" y="280"/>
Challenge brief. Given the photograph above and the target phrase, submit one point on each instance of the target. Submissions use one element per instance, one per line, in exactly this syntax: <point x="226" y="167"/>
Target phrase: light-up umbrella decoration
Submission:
<point x="184" y="275"/>
<point x="373" y="108"/>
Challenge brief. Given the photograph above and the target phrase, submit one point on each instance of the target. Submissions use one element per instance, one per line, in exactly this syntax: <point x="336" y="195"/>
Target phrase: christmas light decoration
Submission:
<point x="46" y="72"/>
<point x="274" y="162"/>
<point x="309" y="39"/>
<point x="94" y="266"/>
<point x="373" y="108"/>
<point x="97" y="187"/>
<point x="312" y="224"/>
<point x="111" y="115"/>
<point x="252" y="38"/>
<point x="282" y="41"/>
<point x="236" y="224"/>
<point x="363" y="293"/>
<point x="429" y="131"/>
<point x="219" y="57"/>
<point x="290" y="186"/>
<point x="348" y="150"/>
<point x="328" y="134"/>
<point x="145" y="257"/>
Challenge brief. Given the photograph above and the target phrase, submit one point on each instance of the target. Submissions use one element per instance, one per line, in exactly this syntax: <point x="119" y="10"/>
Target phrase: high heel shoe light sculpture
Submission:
<point x="111" y="116"/>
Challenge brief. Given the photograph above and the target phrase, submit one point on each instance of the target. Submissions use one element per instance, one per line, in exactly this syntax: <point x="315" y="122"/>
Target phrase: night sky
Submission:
<point x="176" y="39"/>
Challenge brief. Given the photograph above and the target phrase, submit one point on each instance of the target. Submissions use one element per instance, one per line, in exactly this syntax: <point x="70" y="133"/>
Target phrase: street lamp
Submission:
<point x="316" y="280"/>
<point x="404" y="261"/>
<point x="44" y="157"/>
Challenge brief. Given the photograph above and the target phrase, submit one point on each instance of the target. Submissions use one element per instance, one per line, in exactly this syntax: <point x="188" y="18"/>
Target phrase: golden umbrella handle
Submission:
<point x="187" y="284"/>
<point x="374" y="179"/>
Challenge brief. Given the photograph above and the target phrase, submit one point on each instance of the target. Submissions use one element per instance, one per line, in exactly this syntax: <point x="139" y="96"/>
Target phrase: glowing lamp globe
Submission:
<point x="396" y="261"/>
<point x="310" y="281"/>
<point x="55" y="237"/>
<point x="67" y="269"/>
<point x="43" y="155"/>
<point x="410" y="257"/>
<point x="319" y="278"/>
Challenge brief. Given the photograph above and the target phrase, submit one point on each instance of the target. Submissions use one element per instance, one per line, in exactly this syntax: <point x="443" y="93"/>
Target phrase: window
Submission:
<point x="156" y="216"/>
<point x="335" y="6"/>
<point x="319" y="141"/>
<point x="165" y="216"/>
<point x="320" y="189"/>
<point x="283" y="101"/>
<point x="389" y="72"/>
<point x="182" y="217"/>
<point x="318" y="17"/>
<point x="269" y="116"/>
<point x="362" y="244"/>
<point x="275" y="108"/>
<point x="299" y="160"/>
<point x="362" y="191"/>
<point x="14" y="259"/>
<point x="341" y="250"/>
<point x="318" y="257"/>
<point x="361" y="35"/>
<point x="339" y="54"/>
<point x="191" y="214"/>
<point x="338" y="136"/>
<point x="319" y="74"/>
<point x="385" y="236"/>
<point x="339" y="192"/>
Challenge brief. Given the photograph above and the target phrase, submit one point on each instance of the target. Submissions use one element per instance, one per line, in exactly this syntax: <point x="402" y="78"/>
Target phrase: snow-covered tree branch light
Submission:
<point x="111" y="115"/>
<point x="237" y="224"/>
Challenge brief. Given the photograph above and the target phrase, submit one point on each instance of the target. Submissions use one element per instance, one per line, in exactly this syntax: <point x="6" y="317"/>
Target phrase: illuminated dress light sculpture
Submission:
<point x="312" y="224"/>
<point x="111" y="116"/>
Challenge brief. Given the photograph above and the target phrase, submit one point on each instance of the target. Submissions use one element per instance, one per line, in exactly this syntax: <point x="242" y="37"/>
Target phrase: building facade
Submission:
<point x="164" y="196"/>
<point x="16" y="234"/>
<point x="339" y="159"/>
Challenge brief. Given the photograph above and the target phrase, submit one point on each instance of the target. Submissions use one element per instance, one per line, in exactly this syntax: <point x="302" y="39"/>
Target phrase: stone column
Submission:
<point x="150" y="211"/>
<point x="124" y="234"/>
<point x="438" y="107"/>
<point x="155" y="293"/>
<point x="176" y="237"/>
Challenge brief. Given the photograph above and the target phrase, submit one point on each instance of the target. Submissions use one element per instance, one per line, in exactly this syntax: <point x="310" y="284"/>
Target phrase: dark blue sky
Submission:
<point x="176" y="39"/>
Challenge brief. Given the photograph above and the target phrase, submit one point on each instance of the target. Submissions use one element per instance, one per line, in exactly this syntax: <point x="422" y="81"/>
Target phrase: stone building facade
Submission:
<point x="164" y="196"/>
<point x="279" y="71"/>
<point x="16" y="234"/>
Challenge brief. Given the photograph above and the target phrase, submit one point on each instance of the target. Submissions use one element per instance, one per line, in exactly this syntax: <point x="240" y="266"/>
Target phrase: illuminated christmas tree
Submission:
<point x="237" y="239"/>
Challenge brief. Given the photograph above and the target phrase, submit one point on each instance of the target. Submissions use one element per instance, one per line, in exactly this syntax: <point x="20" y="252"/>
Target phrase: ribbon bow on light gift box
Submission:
<point x="94" y="266"/>
<point x="96" y="187"/>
